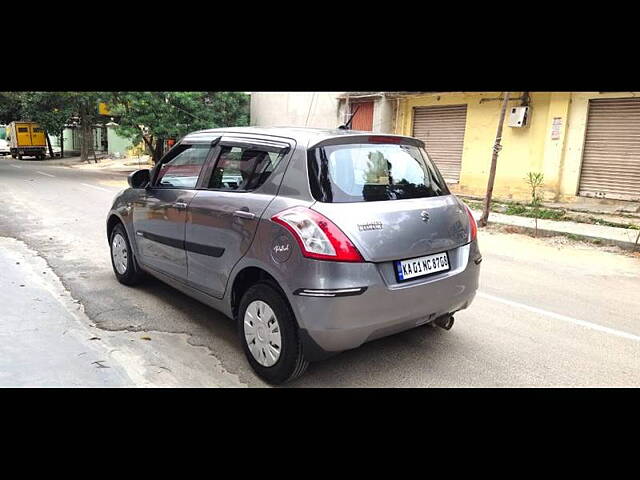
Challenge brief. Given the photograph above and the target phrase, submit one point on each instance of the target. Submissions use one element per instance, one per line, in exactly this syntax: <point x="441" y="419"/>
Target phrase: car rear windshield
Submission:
<point x="367" y="172"/>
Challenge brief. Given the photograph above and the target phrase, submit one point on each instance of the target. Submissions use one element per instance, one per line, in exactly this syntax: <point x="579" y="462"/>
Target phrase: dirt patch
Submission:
<point x="114" y="183"/>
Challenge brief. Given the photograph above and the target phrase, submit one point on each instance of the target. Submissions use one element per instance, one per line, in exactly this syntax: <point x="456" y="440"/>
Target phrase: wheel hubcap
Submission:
<point x="119" y="253"/>
<point x="262" y="333"/>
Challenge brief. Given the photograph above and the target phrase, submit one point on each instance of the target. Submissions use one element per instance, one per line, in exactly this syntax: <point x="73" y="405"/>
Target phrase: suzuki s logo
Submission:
<point x="425" y="216"/>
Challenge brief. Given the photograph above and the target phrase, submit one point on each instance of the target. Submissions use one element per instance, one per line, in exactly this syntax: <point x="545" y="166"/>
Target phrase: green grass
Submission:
<point x="516" y="209"/>
<point x="544" y="213"/>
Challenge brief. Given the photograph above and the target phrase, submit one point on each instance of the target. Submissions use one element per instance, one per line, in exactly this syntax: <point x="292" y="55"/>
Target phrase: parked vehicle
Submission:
<point x="4" y="148"/>
<point x="314" y="241"/>
<point x="26" y="139"/>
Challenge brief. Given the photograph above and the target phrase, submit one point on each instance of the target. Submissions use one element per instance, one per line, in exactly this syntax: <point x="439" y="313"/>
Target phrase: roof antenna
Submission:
<point x="347" y="126"/>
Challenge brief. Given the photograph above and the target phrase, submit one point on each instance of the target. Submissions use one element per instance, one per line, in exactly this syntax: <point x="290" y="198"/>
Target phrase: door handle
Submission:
<point x="244" y="214"/>
<point x="180" y="205"/>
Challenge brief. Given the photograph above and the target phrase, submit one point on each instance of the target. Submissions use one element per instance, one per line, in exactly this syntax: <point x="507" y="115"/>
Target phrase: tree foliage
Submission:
<point x="10" y="107"/>
<point x="53" y="110"/>
<point x="154" y="117"/>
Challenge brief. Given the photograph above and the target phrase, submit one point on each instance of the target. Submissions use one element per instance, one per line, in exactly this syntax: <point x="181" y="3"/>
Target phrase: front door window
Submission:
<point x="184" y="169"/>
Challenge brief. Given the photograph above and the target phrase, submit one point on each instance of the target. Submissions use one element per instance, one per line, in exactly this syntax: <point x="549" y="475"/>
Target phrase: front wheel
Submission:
<point x="122" y="258"/>
<point x="269" y="335"/>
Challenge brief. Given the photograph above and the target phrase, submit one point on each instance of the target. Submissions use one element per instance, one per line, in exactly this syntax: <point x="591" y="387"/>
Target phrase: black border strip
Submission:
<point x="172" y="242"/>
<point x="204" y="249"/>
<point x="183" y="245"/>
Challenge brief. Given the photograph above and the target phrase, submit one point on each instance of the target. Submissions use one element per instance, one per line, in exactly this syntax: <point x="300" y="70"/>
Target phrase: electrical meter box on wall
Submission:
<point x="519" y="116"/>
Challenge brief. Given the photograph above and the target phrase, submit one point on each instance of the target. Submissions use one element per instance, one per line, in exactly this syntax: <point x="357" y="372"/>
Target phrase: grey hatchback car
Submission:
<point x="313" y="241"/>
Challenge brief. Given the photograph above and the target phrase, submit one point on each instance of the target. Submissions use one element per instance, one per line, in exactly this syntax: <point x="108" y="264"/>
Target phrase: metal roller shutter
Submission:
<point x="611" y="155"/>
<point x="442" y="131"/>
<point x="363" y="118"/>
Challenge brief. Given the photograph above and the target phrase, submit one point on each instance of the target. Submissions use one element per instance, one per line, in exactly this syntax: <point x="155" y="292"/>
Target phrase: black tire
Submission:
<point x="291" y="363"/>
<point x="19" y="156"/>
<point x="132" y="274"/>
<point x="13" y="155"/>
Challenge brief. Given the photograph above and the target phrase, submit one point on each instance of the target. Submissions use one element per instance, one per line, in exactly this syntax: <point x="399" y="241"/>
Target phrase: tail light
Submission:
<point x="317" y="236"/>
<point x="473" y="226"/>
<point x="382" y="139"/>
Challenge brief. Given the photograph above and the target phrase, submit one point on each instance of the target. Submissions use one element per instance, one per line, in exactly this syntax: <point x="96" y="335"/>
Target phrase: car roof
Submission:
<point x="302" y="135"/>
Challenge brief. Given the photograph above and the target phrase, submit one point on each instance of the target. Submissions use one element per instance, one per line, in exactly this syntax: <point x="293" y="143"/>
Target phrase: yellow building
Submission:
<point x="587" y="144"/>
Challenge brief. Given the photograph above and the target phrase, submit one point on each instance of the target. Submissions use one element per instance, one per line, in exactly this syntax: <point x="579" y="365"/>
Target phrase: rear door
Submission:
<point x="159" y="215"/>
<point x="223" y="216"/>
<point x="37" y="136"/>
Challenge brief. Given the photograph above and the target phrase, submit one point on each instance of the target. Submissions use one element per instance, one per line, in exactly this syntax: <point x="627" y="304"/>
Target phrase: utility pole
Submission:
<point x="494" y="161"/>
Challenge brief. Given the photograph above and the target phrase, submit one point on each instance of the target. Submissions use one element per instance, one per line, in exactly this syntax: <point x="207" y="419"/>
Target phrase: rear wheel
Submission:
<point x="269" y="335"/>
<point x="122" y="259"/>
<point x="19" y="156"/>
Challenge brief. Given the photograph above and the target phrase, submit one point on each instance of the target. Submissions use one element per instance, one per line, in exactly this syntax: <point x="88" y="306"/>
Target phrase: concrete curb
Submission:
<point x="55" y="162"/>
<point x="625" y="238"/>
<point x="545" y="232"/>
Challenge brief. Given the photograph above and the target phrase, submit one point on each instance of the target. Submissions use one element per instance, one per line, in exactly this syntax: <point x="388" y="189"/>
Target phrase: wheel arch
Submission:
<point x="247" y="276"/>
<point x="112" y="220"/>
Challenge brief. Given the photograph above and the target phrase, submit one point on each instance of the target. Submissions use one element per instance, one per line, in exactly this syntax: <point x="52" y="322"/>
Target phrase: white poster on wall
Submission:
<point x="556" y="127"/>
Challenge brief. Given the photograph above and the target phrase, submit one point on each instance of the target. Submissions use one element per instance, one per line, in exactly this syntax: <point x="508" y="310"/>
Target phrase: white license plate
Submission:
<point x="421" y="266"/>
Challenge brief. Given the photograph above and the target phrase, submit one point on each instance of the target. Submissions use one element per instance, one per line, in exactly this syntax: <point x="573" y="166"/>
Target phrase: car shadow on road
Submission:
<point x="410" y="358"/>
<point x="196" y="312"/>
<point x="404" y="359"/>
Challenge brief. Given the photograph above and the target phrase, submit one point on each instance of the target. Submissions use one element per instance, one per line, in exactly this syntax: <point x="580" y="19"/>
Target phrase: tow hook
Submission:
<point x="445" y="322"/>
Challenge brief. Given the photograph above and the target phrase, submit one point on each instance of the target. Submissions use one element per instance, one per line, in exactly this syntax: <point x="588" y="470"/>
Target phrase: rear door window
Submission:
<point x="372" y="172"/>
<point x="243" y="168"/>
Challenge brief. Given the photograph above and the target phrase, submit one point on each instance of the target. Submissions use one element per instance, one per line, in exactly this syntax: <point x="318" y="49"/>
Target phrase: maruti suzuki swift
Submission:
<point x="313" y="241"/>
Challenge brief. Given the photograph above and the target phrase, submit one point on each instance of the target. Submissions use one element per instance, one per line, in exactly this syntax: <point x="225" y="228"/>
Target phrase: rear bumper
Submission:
<point x="28" y="150"/>
<point x="335" y="324"/>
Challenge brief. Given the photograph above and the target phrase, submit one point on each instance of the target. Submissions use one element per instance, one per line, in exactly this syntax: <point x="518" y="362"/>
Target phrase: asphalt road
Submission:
<point x="548" y="313"/>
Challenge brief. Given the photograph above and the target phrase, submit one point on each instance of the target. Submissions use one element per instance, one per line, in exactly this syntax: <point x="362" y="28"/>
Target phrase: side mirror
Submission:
<point x="139" y="178"/>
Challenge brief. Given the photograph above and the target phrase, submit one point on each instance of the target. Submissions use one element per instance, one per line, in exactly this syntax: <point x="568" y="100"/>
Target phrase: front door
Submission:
<point x="159" y="216"/>
<point x="222" y="218"/>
